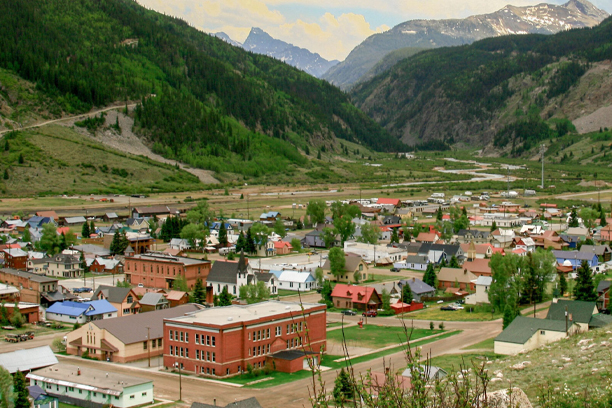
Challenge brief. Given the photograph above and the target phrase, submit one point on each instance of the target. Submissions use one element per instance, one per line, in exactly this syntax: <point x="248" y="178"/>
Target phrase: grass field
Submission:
<point x="434" y="313"/>
<point x="373" y="336"/>
<point x="483" y="345"/>
<point x="453" y="362"/>
<point x="57" y="160"/>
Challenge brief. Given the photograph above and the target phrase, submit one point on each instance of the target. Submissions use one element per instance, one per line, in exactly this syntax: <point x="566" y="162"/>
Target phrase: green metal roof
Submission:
<point x="523" y="328"/>
<point x="581" y="311"/>
<point x="600" y="320"/>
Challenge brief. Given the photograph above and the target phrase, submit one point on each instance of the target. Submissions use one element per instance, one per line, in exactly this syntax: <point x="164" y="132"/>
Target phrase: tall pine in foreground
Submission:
<point x="21" y="391"/>
<point x="585" y="287"/>
<point x="430" y="276"/>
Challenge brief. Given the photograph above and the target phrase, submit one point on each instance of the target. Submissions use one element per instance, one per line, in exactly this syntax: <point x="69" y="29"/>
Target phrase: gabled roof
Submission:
<point x="603" y="286"/>
<point x="523" y="328"/>
<point x="581" y="311"/>
<point x="152" y="299"/>
<point x="111" y="215"/>
<point x="389" y="201"/>
<point x="112" y="293"/>
<point x="598" y="250"/>
<point x="456" y="274"/>
<point x="49" y="214"/>
<point x="578" y="255"/>
<point x="15" y="252"/>
<point x="351" y="262"/>
<point x="26" y="360"/>
<point x="132" y="328"/>
<point x="93" y="308"/>
<point x="478" y="266"/>
<point x="294" y="276"/>
<point x="484" y="280"/>
<point x="417" y="286"/>
<point x="227" y="271"/>
<point x="358" y="294"/>
<point x="75" y="220"/>
<point x="417" y="259"/>
<point x="175" y="295"/>
<point x="449" y="249"/>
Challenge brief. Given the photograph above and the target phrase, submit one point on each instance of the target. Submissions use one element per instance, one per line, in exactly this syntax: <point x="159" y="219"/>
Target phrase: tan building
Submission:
<point x="124" y="300"/>
<point x="354" y="266"/>
<point x="456" y="278"/>
<point x="63" y="265"/>
<point x="30" y="285"/>
<point x="127" y="338"/>
<point x="526" y="333"/>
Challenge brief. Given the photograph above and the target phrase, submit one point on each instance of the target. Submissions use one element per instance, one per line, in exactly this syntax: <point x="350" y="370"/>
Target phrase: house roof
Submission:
<point x="132" y="328"/>
<point x="50" y="214"/>
<point x="523" y="328"/>
<point x="247" y="403"/>
<point x="417" y="286"/>
<point x="92" y="308"/>
<point x="15" y="252"/>
<point x="427" y="237"/>
<point x="293" y="276"/>
<point x="351" y="262"/>
<point x="449" y="249"/>
<point x="484" y="280"/>
<point x="157" y="209"/>
<point x="603" y="285"/>
<point x="478" y="266"/>
<point x="456" y="274"/>
<point x="26" y="360"/>
<point x="112" y="293"/>
<point x="111" y="215"/>
<point x="598" y="250"/>
<point x="92" y="249"/>
<point x="107" y="263"/>
<point x="175" y="295"/>
<point x="75" y="220"/>
<point x="227" y="271"/>
<point x="282" y="244"/>
<point x="264" y="276"/>
<point x="29" y="275"/>
<point x="389" y="201"/>
<point x="290" y="354"/>
<point x="153" y="299"/>
<point x="581" y="311"/>
<point x="358" y="294"/>
<point x="578" y="255"/>
<point x="600" y="320"/>
<point x="417" y="259"/>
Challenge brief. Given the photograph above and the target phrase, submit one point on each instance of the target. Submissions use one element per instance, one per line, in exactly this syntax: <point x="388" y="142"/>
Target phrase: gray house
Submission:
<point x="418" y="287"/>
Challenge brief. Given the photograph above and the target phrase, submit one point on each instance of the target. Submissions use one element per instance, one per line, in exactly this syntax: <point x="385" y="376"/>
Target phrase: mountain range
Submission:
<point x="539" y="19"/>
<point x="261" y="42"/>
<point x="511" y="91"/>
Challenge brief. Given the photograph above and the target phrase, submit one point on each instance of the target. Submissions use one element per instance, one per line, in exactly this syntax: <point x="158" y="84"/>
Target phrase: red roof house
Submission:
<point x="479" y="267"/>
<point x="355" y="297"/>
<point x="282" y="247"/>
<point x="390" y="201"/>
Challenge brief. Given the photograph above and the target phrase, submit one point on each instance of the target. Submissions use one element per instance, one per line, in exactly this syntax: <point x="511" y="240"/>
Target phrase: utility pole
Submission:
<point x="149" y="345"/>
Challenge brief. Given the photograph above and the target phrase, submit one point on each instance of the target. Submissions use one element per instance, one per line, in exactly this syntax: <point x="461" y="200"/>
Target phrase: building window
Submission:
<point x="171" y="350"/>
<point x="159" y="342"/>
<point x="213" y="341"/>
<point x="181" y="334"/>
<point x="153" y="343"/>
<point x="208" y="340"/>
<point x="144" y="394"/>
<point x="132" y="396"/>
<point x="186" y="337"/>
<point x="186" y="352"/>
<point x="227" y="371"/>
<point x="214" y="358"/>
<point x="197" y="354"/>
<point x="144" y="344"/>
<point x="197" y="339"/>
<point x="542" y="332"/>
<point x="278" y="331"/>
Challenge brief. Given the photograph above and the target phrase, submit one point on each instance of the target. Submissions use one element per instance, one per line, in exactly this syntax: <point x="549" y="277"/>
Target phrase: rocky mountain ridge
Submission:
<point x="540" y="19"/>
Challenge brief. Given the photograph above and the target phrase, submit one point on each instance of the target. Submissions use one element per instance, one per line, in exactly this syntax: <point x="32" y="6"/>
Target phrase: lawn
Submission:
<point x="331" y="325"/>
<point x="375" y="278"/>
<point x="434" y="313"/>
<point x="483" y="345"/>
<point x="453" y="362"/>
<point x="285" y="292"/>
<point x="373" y="336"/>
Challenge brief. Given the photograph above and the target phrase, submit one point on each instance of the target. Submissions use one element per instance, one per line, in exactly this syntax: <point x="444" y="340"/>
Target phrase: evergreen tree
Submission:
<point x="6" y="174"/>
<point x="7" y="147"/>
<point x="241" y="243"/>
<point x="115" y="244"/>
<point x="443" y="263"/>
<point x="92" y="227"/>
<point x="395" y="236"/>
<point x="406" y="293"/>
<point x="602" y="219"/>
<point x="4" y="316"/>
<point x="562" y="284"/>
<point x="509" y="315"/>
<point x="493" y="226"/>
<point x="343" y="387"/>
<point x="223" y="234"/>
<point x="454" y="263"/>
<point x="21" y="391"/>
<point x="85" y="231"/>
<point x="439" y="214"/>
<point x="199" y="294"/>
<point x="326" y="291"/>
<point x="250" y="243"/>
<point x="430" y="276"/>
<point x="300" y="225"/>
<point x="20" y="160"/>
<point x="6" y="389"/>
<point x="62" y="242"/>
<point x="585" y="288"/>
<point x="27" y="237"/>
<point x="573" y="219"/>
<point x="225" y="299"/>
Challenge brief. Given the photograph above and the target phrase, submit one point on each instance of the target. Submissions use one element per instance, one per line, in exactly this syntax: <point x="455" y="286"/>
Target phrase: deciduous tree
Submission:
<point x="337" y="262"/>
<point x="316" y="210"/>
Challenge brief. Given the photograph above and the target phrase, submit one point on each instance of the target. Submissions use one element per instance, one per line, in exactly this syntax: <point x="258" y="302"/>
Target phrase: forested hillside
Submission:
<point x="203" y="101"/>
<point x="499" y="89"/>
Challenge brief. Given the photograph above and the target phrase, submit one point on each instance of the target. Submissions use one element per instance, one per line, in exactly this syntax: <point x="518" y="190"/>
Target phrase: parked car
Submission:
<point x="370" y="313"/>
<point x="450" y="308"/>
<point x="81" y="290"/>
<point x="349" y="312"/>
<point x="395" y="270"/>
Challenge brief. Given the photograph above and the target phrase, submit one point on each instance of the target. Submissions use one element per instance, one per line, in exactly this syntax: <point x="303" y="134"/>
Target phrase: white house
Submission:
<point x="483" y="283"/>
<point x="180" y="244"/>
<point x="77" y="312"/>
<point x="295" y="280"/>
<point x="232" y="274"/>
<point x="415" y="262"/>
<point x="526" y="333"/>
<point x="69" y="383"/>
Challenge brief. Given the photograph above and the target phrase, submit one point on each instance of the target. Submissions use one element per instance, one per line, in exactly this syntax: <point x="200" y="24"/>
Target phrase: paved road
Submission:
<point x="93" y="282"/>
<point x="38" y="341"/>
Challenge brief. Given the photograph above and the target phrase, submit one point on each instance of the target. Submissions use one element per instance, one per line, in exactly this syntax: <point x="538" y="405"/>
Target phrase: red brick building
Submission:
<point x="15" y="258"/>
<point x="222" y="341"/>
<point x="157" y="270"/>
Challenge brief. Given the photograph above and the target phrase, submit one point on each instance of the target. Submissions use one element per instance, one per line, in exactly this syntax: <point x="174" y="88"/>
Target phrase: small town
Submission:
<point x="178" y="302"/>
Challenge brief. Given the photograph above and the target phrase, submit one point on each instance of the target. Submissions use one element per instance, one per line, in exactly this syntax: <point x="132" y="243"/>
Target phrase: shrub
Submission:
<point x="17" y="320"/>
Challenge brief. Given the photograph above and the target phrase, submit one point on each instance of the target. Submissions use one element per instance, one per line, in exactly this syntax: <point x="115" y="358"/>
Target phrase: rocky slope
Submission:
<point x="539" y="19"/>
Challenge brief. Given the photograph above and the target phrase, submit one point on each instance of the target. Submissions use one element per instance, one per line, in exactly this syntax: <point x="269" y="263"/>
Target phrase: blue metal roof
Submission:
<point x="95" y="307"/>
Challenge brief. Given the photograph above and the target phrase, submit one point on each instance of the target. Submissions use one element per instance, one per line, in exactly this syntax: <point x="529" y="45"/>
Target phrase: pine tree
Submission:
<point x="21" y="391"/>
<point x="562" y="284"/>
<point x="225" y="299"/>
<point x="92" y="227"/>
<point x="406" y="293"/>
<point x="585" y="288"/>
<point x="223" y="234"/>
<point x="6" y="388"/>
<point x="27" y="237"/>
<point x="250" y="243"/>
<point x="509" y="315"/>
<point x="573" y="220"/>
<point x="6" y="174"/>
<point x="21" y="160"/>
<point x="394" y="236"/>
<point x="430" y="276"/>
<point x="199" y="295"/>
<point x="439" y="214"/>
<point x="115" y="244"/>
<point x="493" y="226"/>
<point x="85" y="231"/>
<point x="62" y="242"/>
<point x="454" y="263"/>
<point x="343" y="389"/>
<point x="240" y="243"/>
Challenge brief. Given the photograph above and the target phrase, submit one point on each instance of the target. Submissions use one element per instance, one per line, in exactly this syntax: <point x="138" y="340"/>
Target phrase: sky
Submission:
<point x="331" y="28"/>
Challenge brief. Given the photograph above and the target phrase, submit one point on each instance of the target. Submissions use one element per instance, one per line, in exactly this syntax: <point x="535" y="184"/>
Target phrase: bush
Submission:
<point x="386" y="313"/>
<point x="58" y="345"/>
<point x="17" y="320"/>
<point x="441" y="326"/>
<point x="85" y="354"/>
